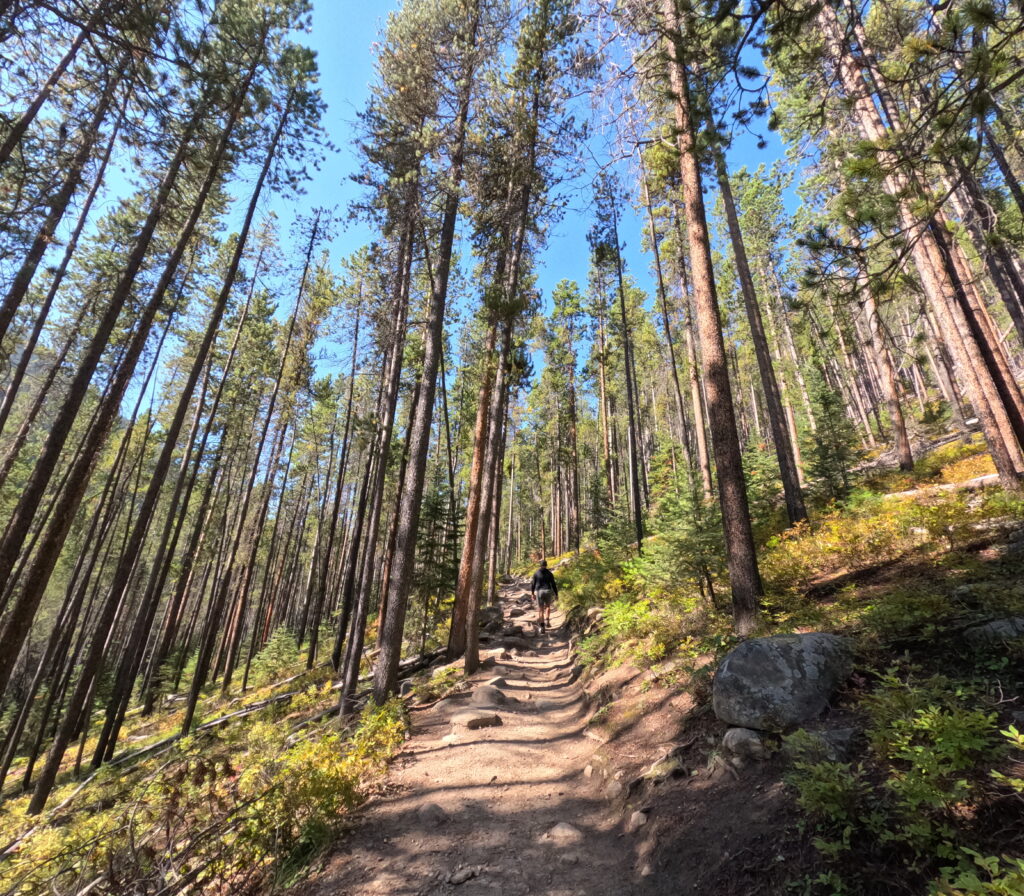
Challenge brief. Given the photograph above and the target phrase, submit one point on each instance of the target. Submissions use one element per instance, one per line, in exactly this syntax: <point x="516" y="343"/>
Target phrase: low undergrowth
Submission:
<point x="233" y="810"/>
<point x="922" y="804"/>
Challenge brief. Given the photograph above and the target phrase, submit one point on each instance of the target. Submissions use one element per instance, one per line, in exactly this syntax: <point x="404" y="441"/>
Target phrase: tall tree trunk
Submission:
<point x="488" y="487"/>
<point x="474" y="509"/>
<point x="935" y="276"/>
<point x="693" y="365"/>
<point x="130" y="556"/>
<point x="44" y="237"/>
<point x="410" y="499"/>
<point x="666" y="325"/>
<point x="633" y="452"/>
<point x="744" y="577"/>
<point x="795" y="508"/>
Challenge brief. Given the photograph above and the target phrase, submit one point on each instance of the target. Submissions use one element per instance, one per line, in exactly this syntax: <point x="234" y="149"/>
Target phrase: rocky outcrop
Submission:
<point x="775" y="683"/>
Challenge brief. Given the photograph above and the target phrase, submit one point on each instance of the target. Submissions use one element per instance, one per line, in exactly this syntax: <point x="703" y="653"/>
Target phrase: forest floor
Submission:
<point x="472" y="811"/>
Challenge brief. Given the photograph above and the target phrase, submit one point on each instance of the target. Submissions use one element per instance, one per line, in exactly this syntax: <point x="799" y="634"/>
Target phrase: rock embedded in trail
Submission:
<point x="772" y="684"/>
<point x="563" y="834"/>
<point x="636" y="821"/>
<point x="745" y="743"/>
<point x="462" y="875"/>
<point x="488" y="695"/>
<point x="614" y="789"/>
<point x="473" y="719"/>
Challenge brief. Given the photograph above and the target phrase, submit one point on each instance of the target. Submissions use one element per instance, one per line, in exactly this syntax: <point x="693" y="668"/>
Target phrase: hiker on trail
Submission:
<point x="544" y="589"/>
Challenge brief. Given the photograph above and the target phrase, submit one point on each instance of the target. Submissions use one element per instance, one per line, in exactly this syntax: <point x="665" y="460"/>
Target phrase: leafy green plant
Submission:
<point x="928" y="754"/>
<point x="980" y="875"/>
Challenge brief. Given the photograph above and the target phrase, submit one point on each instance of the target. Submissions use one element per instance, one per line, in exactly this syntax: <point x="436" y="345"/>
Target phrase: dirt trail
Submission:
<point x="470" y="812"/>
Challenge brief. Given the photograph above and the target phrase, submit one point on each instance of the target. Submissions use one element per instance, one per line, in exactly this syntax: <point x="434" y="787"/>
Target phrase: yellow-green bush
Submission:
<point x="932" y="464"/>
<point x="968" y="468"/>
<point x="300" y="798"/>
<point x="438" y="683"/>
<point x="224" y="809"/>
<point x="837" y="542"/>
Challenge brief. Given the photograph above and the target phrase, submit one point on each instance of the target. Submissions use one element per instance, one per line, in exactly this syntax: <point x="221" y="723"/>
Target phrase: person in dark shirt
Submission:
<point x="544" y="589"/>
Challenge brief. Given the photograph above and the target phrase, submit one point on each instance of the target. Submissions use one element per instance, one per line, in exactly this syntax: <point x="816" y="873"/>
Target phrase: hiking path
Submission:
<point x="501" y="809"/>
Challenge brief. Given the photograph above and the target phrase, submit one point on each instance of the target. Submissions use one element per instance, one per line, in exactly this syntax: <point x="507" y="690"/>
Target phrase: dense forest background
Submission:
<point x="227" y="453"/>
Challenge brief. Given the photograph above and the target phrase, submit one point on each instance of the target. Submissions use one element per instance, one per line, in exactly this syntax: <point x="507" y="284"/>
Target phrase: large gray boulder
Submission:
<point x="772" y="684"/>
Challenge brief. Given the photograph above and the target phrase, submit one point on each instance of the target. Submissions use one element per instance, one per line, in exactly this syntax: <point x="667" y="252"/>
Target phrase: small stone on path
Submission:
<point x="636" y="821"/>
<point x="488" y="695"/>
<point x="563" y="834"/>
<point x="473" y="720"/>
<point x="461" y="876"/>
<point x="746" y="743"/>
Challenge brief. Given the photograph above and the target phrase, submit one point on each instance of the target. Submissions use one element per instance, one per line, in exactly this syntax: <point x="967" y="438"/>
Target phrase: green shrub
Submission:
<point x="301" y="798"/>
<point x="839" y="540"/>
<point x="979" y="875"/>
<point x="918" y="612"/>
<point x="222" y="813"/>
<point x="928" y="754"/>
<point x="279" y="658"/>
<point x="931" y="465"/>
<point x="625" y="619"/>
